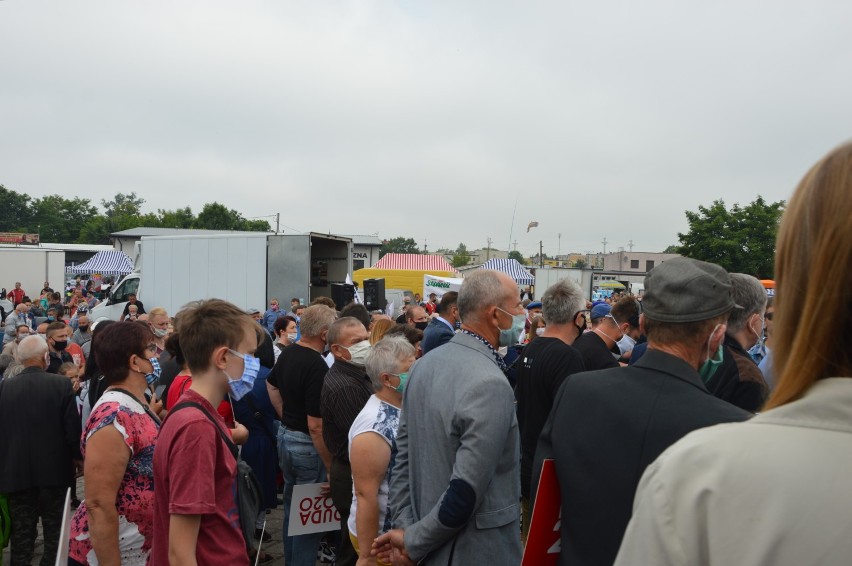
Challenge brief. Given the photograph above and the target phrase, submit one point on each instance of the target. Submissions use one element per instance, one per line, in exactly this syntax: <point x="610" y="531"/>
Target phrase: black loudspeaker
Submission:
<point x="374" y="294"/>
<point x="342" y="294"/>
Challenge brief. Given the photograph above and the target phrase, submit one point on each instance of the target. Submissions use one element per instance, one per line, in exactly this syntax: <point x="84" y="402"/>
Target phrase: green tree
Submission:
<point x="398" y="245"/>
<point x="742" y="239"/>
<point x="517" y="256"/>
<point x="60" y="220"/>
<point x="580" y="264"/>
<point x="15" y="214"/>
<point x="215" y="216"/>
<point x="178" y="218"/>
<point x="460" y="256"/>
<point x="672" y="250"/>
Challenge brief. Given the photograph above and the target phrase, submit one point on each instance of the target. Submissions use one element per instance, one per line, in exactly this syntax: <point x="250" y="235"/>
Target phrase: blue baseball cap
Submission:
<point x="534" y="305"/>
<point x="600" y="311"/>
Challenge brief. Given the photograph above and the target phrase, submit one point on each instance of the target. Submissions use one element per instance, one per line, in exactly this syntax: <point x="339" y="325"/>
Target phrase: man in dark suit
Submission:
<point x="39" y="449"/>
<point x="607" y="426"/>
<point x="443" y="327"/>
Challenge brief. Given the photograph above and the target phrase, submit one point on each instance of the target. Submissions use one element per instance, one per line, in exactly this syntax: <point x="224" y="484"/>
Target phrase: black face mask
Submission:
<point x="60" y="345"/>
<point x="581" y="328"/>
<point x="83" y="328"/>
<point x="421" y="325"/>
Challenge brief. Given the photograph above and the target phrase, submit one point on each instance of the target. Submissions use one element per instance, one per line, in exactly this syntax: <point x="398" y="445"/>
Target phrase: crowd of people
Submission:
<point x="702" y="423"/>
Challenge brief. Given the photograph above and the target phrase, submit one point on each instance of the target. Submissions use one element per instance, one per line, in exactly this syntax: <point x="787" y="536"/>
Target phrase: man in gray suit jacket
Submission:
<point x="456" y="483"/>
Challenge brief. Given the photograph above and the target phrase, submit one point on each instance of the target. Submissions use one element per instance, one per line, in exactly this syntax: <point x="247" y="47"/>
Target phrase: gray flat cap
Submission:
<point x="687" y="290"/>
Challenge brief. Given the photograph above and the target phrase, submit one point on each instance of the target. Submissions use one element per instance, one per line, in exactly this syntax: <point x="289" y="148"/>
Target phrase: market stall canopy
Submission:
<point x="419" y="262"/>
<point x="609" y="284"/>
<point x="512" y="268"/>
<point x="112" y="262"/>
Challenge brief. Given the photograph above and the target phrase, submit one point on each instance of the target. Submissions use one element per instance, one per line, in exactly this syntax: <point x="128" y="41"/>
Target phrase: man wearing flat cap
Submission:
<point x="607" y="426"/>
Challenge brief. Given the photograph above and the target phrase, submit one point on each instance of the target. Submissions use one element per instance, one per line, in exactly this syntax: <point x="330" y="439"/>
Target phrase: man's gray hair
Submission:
<point x="336" y="329"/>
<point x="31" y="348"/>
<point x="561" y="302"/>
<point x="315" y="320"/>
<point x="385" y="357"/>
<point x="748" y="293"/>
<point x="480" y="290"/>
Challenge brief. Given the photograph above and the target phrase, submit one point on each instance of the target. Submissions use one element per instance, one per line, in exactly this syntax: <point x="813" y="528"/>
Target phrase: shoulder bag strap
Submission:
<point x="145" y="406"/>
<point x="228" y="442"/>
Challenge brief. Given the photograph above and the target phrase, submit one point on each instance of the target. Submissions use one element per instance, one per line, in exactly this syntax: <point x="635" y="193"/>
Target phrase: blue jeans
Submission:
<point x="300" y="464"/>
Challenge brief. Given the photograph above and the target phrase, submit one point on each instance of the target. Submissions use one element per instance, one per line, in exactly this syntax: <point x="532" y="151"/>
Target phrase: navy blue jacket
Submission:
<point x="436" y="334"/>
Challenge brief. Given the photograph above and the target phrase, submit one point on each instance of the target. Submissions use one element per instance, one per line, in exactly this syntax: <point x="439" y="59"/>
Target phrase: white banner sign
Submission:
<point x="312" y="512"/>
<point x="439" y="285"/>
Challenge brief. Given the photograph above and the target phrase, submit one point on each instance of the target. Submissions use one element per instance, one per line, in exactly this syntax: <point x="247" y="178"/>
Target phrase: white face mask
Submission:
<point x="359" y="351"/>
<point x="539" y="331"/>
<point x="626" y="344"/>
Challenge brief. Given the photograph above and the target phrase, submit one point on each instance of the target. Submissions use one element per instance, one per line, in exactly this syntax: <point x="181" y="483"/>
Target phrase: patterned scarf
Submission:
<point x="501" y="363"/>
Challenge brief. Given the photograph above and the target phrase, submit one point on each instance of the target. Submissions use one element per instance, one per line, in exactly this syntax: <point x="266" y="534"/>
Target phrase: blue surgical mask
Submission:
<point x="242" y="386"/>
<point x="709" y="367"/>
<point x="403" y="379"/>
<point x="156" y="371"/>
<point x="509" y="336"/>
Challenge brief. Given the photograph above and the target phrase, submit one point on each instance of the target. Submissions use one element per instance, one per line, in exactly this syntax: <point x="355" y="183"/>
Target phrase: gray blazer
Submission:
<point x="456" y="480"/>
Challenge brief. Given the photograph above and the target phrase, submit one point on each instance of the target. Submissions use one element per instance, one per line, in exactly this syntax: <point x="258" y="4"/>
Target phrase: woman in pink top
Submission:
<point x="114" y="525"/>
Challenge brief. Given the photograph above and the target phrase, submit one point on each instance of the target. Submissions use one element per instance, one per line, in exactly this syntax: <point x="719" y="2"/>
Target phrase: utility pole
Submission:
<point x="488" y="249"/>
<point x="425" y="246"/>
<point x="559" y="247"/>
<point x="540" y="253"/>
<point x="277" y="221"/>
<point x="630" y="245"/>
<point x="515" y="244"/>
<point x="604" y="244"/>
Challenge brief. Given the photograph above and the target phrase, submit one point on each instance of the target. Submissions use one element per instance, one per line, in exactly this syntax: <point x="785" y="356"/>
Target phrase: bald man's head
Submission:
<point x="32" y="352"/>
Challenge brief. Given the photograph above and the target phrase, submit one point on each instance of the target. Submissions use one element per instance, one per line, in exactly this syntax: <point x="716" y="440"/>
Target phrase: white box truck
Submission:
<point x="245" y="269"/>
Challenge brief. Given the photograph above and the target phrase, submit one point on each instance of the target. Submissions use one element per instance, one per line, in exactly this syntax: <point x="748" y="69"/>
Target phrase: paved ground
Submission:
<point x="274" y="525"/>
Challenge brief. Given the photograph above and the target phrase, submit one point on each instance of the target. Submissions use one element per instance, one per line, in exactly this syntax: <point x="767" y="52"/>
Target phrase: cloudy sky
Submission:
<point x="427" y="119"/>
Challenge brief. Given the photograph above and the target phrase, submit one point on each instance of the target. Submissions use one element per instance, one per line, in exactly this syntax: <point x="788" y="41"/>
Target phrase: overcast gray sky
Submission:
<point x="427" y="119"/>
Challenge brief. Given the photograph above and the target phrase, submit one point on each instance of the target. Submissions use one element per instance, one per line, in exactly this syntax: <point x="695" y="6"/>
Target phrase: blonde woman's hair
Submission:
<point x="813" y="267"/>
<point x="380" y="328"/>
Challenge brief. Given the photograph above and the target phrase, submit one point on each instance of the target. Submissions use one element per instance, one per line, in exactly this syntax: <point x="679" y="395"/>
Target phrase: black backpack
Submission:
<point x="249" y="491"/>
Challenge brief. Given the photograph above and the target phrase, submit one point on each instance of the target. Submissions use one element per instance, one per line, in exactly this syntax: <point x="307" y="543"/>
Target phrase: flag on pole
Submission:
<point x="349" y="282"/>
<point x="532" y="224"/>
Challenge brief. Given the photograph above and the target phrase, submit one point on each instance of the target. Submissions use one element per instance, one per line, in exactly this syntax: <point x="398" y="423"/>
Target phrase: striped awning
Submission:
<point x="111" y="262"/>
<point x="512" y="268"/>
<point x="419" y="262"/>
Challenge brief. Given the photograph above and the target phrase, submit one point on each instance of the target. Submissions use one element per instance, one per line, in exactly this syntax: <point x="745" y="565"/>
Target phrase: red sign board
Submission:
<point x="18" y="238"/>
<point x="543" y="542"/>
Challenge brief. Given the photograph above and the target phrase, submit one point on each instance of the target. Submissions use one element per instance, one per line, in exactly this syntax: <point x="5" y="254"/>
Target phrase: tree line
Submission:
<point x="77" y="220"/>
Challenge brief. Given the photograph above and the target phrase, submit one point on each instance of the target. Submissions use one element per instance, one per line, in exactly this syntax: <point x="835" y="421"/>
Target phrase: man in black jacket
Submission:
<point x="738" y="380"/>
<point x="39" y="449"/>
<point x="607" y="426"/>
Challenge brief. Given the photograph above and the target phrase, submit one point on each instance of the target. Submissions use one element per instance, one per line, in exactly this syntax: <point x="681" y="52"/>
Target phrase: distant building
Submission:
<point x="634" y="262"/>
<point x="365" y="251"/>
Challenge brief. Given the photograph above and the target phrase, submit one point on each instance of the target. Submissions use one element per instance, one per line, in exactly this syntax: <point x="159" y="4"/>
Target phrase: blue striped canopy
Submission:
<point x="511" y="268"/>
<point x="110" y="262"/>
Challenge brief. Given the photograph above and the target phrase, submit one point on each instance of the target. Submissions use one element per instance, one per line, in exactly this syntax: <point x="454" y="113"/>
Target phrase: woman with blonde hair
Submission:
<point x="776" y="489"/>
<point x="380" y="328"/>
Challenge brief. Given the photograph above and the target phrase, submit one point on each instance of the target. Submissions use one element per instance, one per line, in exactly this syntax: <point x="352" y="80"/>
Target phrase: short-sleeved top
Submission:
<point x="135" y="498"/>
<point x="383" y="419"/>
<point x="195" y="473"/>
<point x="299" y="374"/>
<point x="594" y="351"/>
<point x="544" y="365"/>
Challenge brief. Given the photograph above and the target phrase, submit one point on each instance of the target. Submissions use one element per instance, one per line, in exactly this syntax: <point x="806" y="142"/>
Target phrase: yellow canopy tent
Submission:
<point x="404" y="279"/>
